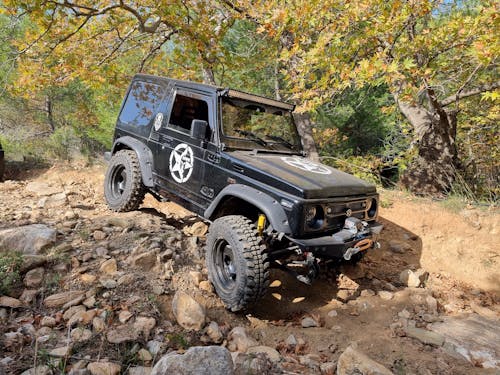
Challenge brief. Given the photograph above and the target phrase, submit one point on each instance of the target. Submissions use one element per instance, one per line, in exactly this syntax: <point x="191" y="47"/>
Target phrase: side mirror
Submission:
<point x="199" y="129"/>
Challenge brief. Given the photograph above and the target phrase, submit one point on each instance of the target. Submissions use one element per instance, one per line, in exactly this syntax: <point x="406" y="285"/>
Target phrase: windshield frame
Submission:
<point x="249" y="143"/>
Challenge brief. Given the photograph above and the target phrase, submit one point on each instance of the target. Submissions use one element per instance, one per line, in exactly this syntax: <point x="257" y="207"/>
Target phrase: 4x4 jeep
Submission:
<point x="236" y="160"/>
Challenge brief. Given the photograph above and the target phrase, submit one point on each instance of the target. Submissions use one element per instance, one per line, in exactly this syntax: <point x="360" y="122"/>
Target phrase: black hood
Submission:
<point x="299" y="176"/>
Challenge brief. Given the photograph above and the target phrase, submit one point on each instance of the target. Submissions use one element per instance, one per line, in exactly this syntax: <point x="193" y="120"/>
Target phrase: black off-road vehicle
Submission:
<point x="236" y="160"/>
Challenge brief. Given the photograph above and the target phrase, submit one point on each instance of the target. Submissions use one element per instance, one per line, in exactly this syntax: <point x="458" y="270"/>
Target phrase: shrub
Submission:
<point x="10" y="264"/>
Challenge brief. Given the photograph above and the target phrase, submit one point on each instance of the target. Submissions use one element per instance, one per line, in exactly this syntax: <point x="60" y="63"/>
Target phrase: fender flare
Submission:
<point x="268" y="205"/>
<point x="144" y="155"/>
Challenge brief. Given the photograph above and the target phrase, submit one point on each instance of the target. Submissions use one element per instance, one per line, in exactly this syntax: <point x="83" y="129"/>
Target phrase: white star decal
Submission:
<point x="306" y="165"/>
<point x="181" y="163"/>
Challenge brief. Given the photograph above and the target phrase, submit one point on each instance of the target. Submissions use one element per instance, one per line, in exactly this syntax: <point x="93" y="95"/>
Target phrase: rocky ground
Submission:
<point x="106" y="293"/>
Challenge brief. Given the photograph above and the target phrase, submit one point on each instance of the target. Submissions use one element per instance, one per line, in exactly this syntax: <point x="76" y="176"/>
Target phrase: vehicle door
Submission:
<point x="182" y="167"/>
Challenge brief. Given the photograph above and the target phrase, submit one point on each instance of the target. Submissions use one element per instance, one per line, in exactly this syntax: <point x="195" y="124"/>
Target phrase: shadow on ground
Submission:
<point x="378" y="270"/>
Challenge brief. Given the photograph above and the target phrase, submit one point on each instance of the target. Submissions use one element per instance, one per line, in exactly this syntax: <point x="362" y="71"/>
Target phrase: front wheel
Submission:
<point x="123" y="188"/>
<point x="237" y="261"/>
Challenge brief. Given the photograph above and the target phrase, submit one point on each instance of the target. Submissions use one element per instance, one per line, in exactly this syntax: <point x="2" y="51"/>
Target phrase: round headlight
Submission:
<point x="310" y="213"/>
<point x="315" y="217"/>
<point x="372" y="211"/>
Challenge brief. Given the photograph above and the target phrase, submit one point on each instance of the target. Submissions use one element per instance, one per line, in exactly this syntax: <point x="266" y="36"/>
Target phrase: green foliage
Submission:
<point x="345" y="62"/>
<point x="178" y="341"/>
<point x="10" y="264"/>
<point x="360" y="119"/>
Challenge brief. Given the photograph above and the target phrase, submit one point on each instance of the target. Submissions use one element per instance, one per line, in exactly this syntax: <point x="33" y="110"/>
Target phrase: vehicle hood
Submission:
<point x="298" y="176"/>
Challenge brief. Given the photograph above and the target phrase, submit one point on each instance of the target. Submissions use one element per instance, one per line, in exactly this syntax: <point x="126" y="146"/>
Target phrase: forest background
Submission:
<point x="397" y="92"/>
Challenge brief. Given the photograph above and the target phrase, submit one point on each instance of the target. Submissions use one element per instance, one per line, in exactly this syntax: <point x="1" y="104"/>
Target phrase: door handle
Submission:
<point x="166" y="141"/>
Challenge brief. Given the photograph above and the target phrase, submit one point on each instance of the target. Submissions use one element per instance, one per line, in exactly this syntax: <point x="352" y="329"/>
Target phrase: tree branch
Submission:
<point x="471" y="92"/>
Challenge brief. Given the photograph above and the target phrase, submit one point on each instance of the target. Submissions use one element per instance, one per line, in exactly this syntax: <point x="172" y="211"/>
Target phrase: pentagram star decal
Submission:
<point x="306" y="165"/>
<point x="181" y="163"/>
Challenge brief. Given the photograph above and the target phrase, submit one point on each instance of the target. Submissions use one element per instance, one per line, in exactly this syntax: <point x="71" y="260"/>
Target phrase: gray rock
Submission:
<point x="39" y="370"/>
<point x="154" y="347"/>
<point x="34" y="277"/>
<point x="207" y="360"/>
<point x="81" y="334"/>
<point x="239" y="341"/>
<point x="144" y="325"/>
<point x="308" y="322"/>
<point x="398" y="246"/>
<point x="472" y="337"/>
<point x="42" y="188"/>
<point x="121" y="334"/>
<point x="12" y="339"/>
<point x="257" y="363"/>
<point x="432" y="304"/>
<point x="414" y="279"/>
<point x="104" y="368"/>
<point x="367" y="293"/>
<point x="52" y="201"/>
<point x="29" y="239"/>
<point x="214" y="332"/>
<point x="385" y="295"/>
<point x="48" y="321"/>
<point x="188" y="313"/>
<point x="140" y="370"/>
<point x="61" y="352"/>
<point x="6" y="301"/>
<point x="291" y="341"/>
<point x="145" y="261"/>
<point x="271" y="353"/>
<point x="119" y="222"/>
<point x="108" y="283"/>
<point x="98" y="324"/>
<point x="328" y="368"/>
<point x="310" y="360"/>
<point x="427" y="337"/>
<point x="29" y="295"/>
<point x="72" y="311"/>
<point x="109" y="267"/>
<point x="354" y="362"/>
<point x="60" y="299"/>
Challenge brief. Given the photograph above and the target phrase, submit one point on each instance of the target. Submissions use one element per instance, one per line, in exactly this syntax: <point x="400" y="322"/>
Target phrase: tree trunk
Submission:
<point x="50" y="114"/>
<point x="208" y="75"/>
<point x="304" y="127"/>
<point x="433" y="170"/>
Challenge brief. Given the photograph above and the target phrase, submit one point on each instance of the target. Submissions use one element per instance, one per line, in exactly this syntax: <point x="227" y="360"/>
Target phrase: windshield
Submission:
<point x="250" y="125"/>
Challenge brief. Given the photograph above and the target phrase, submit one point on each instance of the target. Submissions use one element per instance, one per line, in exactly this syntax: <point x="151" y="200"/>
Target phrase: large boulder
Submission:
<point x="353" y="362"/>
<point x="207" y="360"/>
<point x="188" y="313"/>
<point x="28" y="239"/>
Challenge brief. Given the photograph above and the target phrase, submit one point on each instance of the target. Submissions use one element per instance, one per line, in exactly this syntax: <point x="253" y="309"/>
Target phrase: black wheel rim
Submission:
<point x="224" y="264"/>
<point x="118" y="181"/>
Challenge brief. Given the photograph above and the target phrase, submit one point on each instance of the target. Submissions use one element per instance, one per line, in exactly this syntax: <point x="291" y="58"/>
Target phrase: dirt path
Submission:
<point x="367" y="305"/>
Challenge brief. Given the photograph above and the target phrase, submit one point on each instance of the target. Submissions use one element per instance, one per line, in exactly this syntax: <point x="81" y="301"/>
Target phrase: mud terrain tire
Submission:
<point x="123" y="188"/>
<point x="237" y="261"/>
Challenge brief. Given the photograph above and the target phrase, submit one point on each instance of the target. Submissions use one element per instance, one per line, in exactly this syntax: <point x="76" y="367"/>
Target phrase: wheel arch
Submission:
<point x="144" y="155"/>
<point x="244" y="200"/>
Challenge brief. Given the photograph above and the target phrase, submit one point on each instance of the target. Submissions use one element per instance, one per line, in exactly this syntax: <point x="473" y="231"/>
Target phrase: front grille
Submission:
<point x="335" y="214"/>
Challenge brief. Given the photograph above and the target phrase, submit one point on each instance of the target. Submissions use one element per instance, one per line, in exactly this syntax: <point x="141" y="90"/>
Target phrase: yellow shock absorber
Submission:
<point x="261" y="223"/>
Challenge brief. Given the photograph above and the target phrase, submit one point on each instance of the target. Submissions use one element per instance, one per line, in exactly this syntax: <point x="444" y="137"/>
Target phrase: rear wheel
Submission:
<point x="123" y="188"/>
<point x="237" y="261"/>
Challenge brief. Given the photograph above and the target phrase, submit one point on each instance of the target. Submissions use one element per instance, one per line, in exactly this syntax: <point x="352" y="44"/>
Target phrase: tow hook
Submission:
<point x="362" y="245"/>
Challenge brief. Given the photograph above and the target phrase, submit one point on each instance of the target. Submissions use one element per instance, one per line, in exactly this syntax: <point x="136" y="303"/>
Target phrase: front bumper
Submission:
<point x="340" y="247"/>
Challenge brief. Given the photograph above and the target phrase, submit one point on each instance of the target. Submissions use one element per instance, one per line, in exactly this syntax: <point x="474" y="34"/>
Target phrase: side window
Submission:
<point x="185" y="110"/>
<point x="141" y="104"/>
